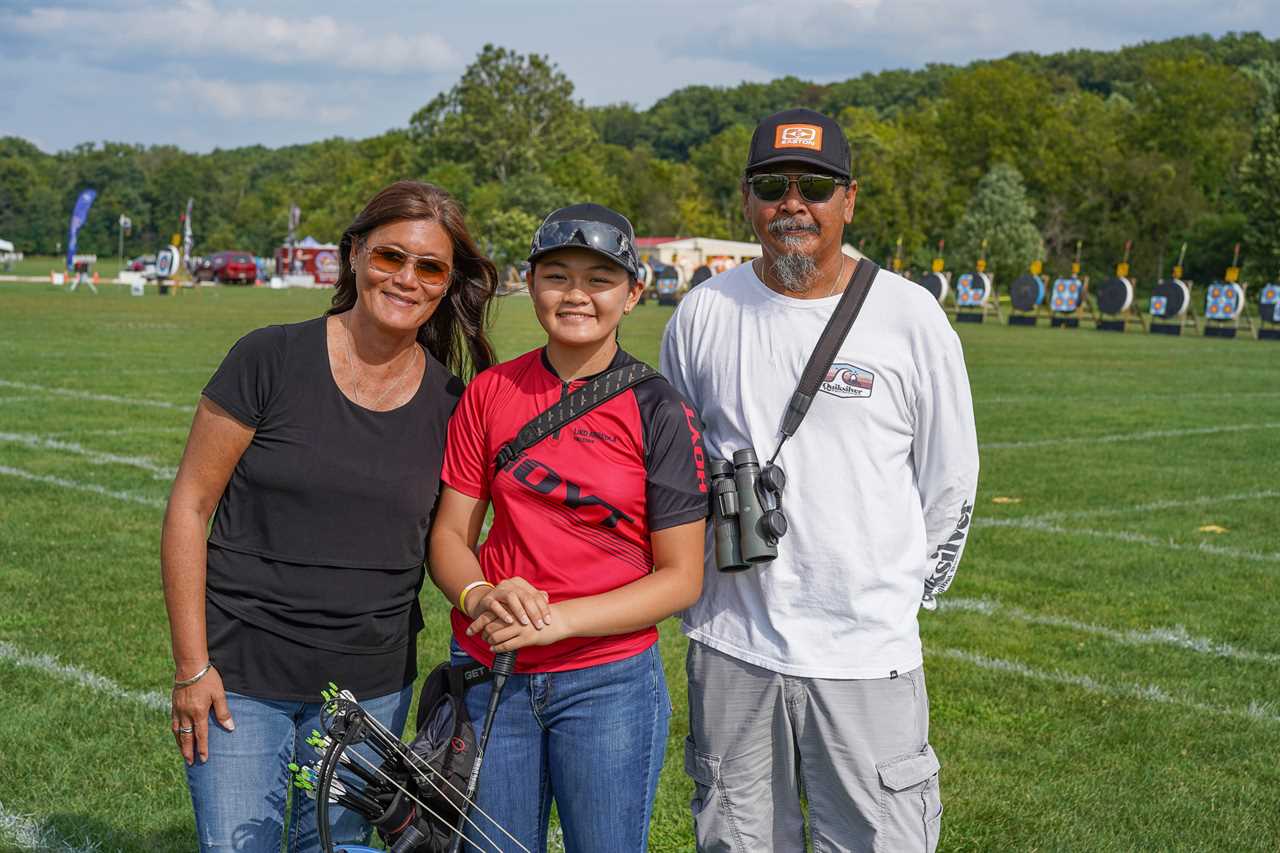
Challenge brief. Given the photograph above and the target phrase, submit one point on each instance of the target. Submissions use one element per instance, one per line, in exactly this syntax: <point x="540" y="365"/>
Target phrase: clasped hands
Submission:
<point x="515" y="614"/>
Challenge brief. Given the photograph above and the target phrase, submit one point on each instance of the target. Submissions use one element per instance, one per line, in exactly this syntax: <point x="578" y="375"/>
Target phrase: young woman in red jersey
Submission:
<point x="597" y="535"/>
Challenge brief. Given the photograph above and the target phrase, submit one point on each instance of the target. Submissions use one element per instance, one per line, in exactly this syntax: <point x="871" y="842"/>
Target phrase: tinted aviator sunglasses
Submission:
<point x="813" y="188"/>
<point x="388" y="260"/>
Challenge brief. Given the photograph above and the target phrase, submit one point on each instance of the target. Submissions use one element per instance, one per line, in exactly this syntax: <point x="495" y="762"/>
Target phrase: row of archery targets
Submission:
<point x="1222" y="309"/>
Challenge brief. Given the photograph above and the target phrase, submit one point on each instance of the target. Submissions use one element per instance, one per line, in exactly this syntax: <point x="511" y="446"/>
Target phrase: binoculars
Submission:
<point x="746" y="510"/>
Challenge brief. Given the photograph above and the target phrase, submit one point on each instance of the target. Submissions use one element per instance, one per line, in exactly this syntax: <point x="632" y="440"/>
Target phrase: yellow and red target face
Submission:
<point x="1066" y="294"/>
<point x="1223" y="301"/>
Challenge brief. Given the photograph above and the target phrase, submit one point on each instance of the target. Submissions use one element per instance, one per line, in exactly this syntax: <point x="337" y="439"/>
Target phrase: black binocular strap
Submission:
<point x="837" y="329"/>
<point x="595" y="393"/>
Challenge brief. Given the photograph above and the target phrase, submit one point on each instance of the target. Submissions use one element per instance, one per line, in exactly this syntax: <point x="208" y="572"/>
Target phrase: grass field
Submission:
<point x="1104" y="675"/>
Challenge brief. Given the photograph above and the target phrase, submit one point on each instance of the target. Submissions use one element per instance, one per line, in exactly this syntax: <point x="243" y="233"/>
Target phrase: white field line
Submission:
<point x="1040" y="526"/>
<point x="1157" y="506"/>
<point x="1176" y="636"/>
<point x="90" y="395"/>
<point x="4" y="400"/>
<point x="1126" y="398"/>
<point x="26" y="833"/>
<point x="92" y="488"/>
<point x="50" y="665"/>
<point x="1261" y="711"/>
<point x="97" y="457"/>
<point x="1125" y="436"/>
<point x="153" y="430"/>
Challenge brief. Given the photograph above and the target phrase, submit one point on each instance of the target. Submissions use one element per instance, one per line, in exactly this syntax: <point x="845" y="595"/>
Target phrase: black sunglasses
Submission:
<point x="813" y="188"/>
<point x="592" y="235"/>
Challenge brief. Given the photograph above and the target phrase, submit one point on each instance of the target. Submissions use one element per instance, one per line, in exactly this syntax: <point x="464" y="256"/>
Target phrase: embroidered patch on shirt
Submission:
<point x="848" y="380"/>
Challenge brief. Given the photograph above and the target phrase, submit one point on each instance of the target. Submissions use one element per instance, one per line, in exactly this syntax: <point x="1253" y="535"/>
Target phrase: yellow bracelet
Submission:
<point x="462" y="597"/>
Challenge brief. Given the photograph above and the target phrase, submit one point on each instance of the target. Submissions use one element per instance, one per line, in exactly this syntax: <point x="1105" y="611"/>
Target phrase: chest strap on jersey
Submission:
<point x="592" y="395"/>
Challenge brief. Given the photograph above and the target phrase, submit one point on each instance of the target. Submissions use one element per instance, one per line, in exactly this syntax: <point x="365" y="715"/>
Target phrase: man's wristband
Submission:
<point x="462" y="596"/>
<point x="187" y="682"/>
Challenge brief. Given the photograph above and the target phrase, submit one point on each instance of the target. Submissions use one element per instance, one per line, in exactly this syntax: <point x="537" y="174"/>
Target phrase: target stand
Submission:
<point x="973" y="298"/>
<point x="1224" y="308"/>
<point x="1027" y="299"/>
<point x="1068" y="300"/>
<point x="1170" y="307"/>
<point x="1116" y="308"/>
<point x="1269" y="313"/>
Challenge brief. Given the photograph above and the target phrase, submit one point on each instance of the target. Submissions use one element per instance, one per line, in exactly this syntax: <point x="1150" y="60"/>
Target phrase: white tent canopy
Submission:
<point x="6" y="246"/>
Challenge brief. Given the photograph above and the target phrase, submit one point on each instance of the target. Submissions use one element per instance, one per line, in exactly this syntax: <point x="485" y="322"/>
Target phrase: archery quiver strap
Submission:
<point x="592" y="395"/>
<point x="837" y="329"/>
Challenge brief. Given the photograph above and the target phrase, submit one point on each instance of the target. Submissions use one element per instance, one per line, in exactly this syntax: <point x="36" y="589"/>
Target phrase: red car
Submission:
<point x="227" y="267"/>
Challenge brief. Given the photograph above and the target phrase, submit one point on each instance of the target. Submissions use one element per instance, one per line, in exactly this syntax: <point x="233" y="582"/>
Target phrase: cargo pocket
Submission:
<point x="911" y="803"/>
<point x="712" y="812"/>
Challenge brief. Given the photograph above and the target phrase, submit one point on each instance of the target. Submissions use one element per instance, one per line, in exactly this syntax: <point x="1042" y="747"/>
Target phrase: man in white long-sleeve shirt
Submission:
<point x="805" y="672"/>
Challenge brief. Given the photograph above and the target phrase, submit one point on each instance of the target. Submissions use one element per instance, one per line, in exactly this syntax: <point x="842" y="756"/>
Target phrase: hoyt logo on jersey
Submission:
<point x="848" y="380"/>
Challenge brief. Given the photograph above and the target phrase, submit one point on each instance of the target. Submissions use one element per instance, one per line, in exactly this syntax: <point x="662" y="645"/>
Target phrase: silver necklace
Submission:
<point x="355" y="377"/>
<point x="839" y="275"/>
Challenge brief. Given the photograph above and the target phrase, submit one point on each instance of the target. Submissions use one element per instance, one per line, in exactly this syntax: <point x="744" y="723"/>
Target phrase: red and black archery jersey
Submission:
<point x="573" y="515"/>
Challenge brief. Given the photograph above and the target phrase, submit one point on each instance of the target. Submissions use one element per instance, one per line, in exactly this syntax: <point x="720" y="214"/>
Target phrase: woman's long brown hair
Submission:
<point x="456" y="334"/>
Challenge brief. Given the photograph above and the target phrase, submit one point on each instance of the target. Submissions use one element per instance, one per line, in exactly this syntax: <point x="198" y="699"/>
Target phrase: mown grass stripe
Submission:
<point x="50" y="665"/>
<point x="1039" y="526"/>
<point x="1261" y="711"/>
<point x="1158" y="506"/>
<point x="92" y="488"/>
<point x="1176" y="636"/>
<point x="96" y="397"/>
<point x="1113" y="438"/>
<point x="25" y="833"/>
<point x="99" y="457"/>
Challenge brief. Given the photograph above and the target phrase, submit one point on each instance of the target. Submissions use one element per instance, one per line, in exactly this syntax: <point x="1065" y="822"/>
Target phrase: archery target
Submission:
<point x="1115" y="295"/>
<point x="1170" y="298"/>
<point x="1223" y="301"/>
<point x="937" y="284"/>
<point x="973" y="289"/>
<point x="167" y="262"/>
<point x="1066" y="295"/>
<point x="1026" y="292"/>
<point x="1269" y="303"/>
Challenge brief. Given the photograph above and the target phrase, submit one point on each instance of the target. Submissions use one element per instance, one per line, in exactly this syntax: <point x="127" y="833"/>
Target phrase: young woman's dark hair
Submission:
<point x="456" y="333"/>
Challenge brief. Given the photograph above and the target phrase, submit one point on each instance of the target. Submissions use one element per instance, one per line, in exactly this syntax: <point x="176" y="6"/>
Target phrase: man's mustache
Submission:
<point x="779" y="226"/>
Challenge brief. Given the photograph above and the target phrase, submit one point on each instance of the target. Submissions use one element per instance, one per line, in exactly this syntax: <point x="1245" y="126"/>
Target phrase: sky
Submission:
<point x="204" y="74"/>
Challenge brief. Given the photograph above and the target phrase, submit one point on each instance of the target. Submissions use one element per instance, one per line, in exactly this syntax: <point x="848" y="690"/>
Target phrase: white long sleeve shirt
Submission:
<point x="881" y="474"/>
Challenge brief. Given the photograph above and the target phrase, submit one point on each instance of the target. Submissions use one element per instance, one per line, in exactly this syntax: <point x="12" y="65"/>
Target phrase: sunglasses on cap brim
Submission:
<point x="813" y="188"/>
<point x="569" y="233"/>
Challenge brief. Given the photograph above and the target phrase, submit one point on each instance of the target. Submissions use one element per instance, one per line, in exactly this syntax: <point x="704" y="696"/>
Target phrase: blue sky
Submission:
<point x="221" y="73"/>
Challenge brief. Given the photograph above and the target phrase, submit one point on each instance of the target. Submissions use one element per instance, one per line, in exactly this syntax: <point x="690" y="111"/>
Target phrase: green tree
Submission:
<point x="1001" y="214"/>
<point x="1260" y="191"/>
<point x="509" y="114"/>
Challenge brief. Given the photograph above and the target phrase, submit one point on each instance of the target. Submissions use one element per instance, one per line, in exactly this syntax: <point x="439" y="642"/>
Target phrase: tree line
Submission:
<point x="1160" y="143"/>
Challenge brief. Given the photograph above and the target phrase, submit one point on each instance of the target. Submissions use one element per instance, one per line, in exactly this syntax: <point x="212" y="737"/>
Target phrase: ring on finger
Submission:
<point x="186" y="730"/>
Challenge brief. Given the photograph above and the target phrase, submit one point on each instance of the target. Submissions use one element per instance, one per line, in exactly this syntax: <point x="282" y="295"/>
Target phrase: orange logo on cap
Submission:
<point x="798" y="136"/>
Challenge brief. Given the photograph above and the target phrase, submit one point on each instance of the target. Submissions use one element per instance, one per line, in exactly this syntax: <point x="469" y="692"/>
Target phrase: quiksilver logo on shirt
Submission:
<point x="848" y="380"/>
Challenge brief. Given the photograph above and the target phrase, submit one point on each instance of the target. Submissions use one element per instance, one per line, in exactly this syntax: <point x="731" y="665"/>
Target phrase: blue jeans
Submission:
<point x="239" y="793"/>
<point x="591" y="739"/>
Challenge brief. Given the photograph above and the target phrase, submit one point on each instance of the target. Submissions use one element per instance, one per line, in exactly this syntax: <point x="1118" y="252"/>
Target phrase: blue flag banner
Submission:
<point x="84" y="201"/>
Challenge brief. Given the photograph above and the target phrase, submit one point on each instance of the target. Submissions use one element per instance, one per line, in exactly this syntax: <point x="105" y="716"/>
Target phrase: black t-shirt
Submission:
<point x="317" y="547"/>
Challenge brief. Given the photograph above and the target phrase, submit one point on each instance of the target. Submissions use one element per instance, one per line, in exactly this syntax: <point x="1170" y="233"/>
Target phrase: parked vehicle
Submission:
<point x="227" y="267"/>
<point x="142" y="264"/>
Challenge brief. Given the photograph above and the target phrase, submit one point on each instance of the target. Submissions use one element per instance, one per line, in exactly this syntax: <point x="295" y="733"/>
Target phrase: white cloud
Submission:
<point x="284" y="102"/>
<point x="199" y="28"/>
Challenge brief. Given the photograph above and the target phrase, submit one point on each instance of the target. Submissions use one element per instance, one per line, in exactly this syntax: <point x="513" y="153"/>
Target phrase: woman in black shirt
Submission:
<point x="320" y="445"/>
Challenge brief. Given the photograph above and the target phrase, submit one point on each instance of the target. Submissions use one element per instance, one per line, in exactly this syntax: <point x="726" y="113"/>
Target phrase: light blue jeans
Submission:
<point x="592" y="739"/>
<point x="239" y="794"/>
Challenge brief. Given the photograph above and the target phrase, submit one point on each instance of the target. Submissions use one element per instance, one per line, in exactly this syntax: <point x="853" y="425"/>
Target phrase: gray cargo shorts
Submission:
<point x="858" y="750"/>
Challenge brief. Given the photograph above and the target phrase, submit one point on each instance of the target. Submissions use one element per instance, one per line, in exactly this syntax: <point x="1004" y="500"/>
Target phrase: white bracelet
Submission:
<point x="462" y="596"/>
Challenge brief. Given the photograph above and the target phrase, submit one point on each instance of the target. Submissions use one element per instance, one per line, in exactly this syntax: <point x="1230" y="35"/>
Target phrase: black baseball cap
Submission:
<point x="800" y="136"/>
<point x="588" y="226"/>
